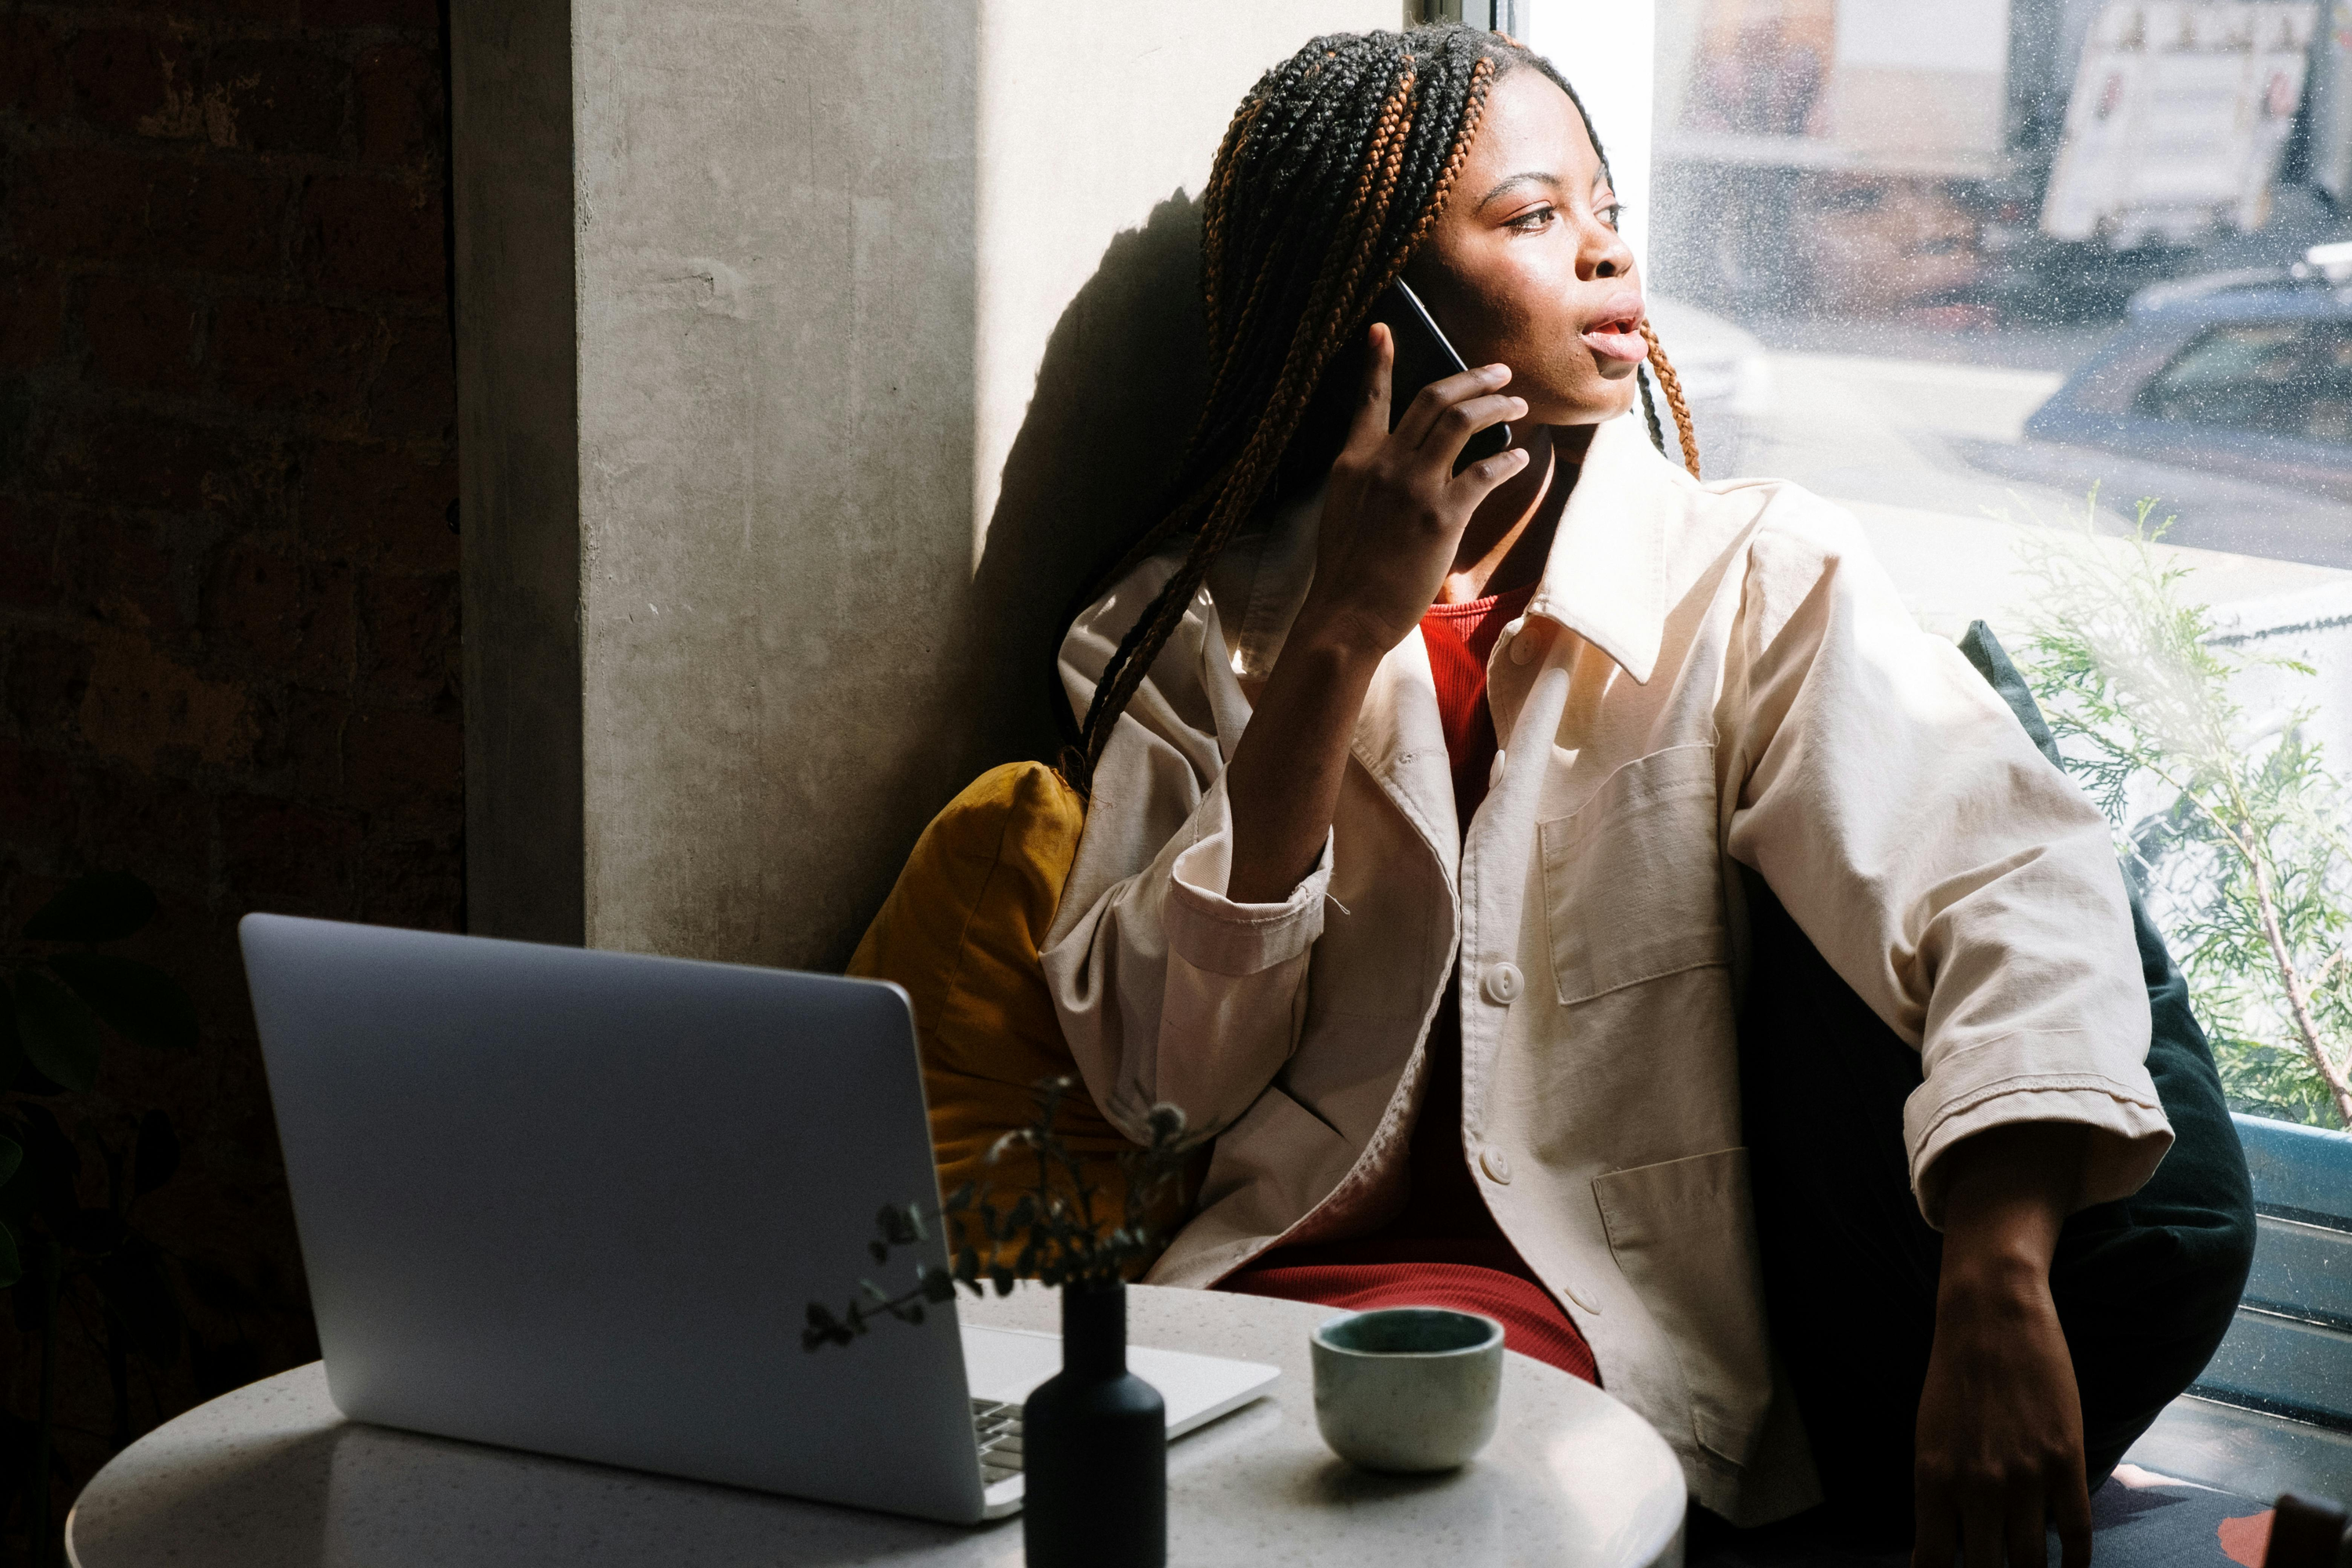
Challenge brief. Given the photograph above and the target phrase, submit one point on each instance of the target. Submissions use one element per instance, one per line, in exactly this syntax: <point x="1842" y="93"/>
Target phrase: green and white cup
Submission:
<point x="1407" y="1389"/>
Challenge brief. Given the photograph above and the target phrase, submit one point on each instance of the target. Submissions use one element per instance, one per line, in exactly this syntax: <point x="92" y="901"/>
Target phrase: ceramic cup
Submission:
<point x="1407" y="1389"/>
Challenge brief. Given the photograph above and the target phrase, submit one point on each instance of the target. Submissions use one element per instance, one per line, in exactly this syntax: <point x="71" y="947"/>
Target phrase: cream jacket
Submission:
<point x="1707" y="673"/>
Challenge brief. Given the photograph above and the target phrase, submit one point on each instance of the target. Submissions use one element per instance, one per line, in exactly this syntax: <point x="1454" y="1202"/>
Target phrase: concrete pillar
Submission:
<point x="812" y="355"/>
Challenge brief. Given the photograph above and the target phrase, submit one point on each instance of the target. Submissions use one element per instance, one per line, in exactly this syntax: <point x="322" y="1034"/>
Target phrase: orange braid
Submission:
<point x="1672" y="385"/>
<point x="1389" y="160"/>
<point x="1482" y="77"/>
<point x="1383" y="159"/>
<point x="1395" y="124"/>
<point x="1214" y="202"/>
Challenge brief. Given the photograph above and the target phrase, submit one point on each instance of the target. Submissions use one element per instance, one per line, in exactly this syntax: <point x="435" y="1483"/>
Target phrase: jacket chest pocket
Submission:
<point x="1632" y="885"/>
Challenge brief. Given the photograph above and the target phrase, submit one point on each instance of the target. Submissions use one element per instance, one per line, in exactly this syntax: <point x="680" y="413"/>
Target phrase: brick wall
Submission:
<point x="228" y="591"/>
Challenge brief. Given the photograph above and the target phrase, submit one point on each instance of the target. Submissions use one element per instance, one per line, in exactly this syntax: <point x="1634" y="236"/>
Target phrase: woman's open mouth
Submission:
<point x="1618" y="337"/>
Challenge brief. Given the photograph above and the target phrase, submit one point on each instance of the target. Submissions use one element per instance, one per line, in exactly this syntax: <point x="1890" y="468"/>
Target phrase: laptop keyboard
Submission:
<point x="998" y="1428"/>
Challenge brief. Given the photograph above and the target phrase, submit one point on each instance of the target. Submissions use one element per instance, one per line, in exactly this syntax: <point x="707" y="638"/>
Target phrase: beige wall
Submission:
<point x="1087" y="124"/>
<point x="885" y="321"/>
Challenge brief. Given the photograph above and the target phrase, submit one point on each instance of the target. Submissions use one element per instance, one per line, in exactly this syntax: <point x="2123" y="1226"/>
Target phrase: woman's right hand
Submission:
<point x="1395" y="509"/>
<point x="1392" y="518"/>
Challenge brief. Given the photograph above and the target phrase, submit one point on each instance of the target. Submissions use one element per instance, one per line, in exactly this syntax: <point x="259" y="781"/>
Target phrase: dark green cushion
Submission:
<point x="2199" y="1207"/>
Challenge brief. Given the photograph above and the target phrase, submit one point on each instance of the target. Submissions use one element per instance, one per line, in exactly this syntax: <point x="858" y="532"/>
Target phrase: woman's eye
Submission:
<point x="1609" y="213"/>
<point x="1529" y="222"/>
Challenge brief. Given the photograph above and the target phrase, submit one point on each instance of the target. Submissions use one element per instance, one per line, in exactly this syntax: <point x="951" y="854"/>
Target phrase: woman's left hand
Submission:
<point x="1998" y="1455"/>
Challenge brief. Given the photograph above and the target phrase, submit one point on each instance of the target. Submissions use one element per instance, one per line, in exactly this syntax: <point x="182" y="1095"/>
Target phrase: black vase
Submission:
<point x="1095" y="1447"/>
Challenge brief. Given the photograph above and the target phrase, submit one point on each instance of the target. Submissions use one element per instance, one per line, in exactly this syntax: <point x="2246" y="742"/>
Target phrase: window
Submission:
<point x="1991" y="273"/>
<point x="2055" y="297"/>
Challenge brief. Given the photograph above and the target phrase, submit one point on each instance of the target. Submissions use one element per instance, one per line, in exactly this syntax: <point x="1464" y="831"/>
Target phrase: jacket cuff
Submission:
<point x="2130" y="1131"/>
<point x="1212" y="933"/>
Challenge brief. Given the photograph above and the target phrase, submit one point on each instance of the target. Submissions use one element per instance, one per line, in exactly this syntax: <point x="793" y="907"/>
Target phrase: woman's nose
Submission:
<point x="1605" y="255"/>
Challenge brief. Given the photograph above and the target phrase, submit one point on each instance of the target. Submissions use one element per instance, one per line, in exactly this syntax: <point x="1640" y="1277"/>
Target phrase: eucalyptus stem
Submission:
<point x="2298" y="1000"/>
<point x="1058" y="1240"/>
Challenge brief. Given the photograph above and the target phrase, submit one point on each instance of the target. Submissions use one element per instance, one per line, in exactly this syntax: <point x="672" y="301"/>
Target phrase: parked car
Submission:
<point x="2246" y="372"/>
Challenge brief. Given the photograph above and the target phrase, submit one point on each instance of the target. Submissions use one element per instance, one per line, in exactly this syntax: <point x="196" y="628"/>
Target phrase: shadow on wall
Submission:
<point x="1118" y="391"/>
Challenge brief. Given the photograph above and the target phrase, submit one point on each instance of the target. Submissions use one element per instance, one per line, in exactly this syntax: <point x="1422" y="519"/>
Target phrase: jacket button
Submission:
<point x="1523" y="647"/>
<point x="1501" y="984"/>
<point x="1497" y="1165"/>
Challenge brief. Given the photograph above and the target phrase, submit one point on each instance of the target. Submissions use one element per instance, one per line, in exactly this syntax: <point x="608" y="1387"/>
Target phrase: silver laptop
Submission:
<point x="579" y="1202"/>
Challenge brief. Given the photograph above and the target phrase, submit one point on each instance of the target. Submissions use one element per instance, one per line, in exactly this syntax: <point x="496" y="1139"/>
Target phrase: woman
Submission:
<point x="1421" y="804"/>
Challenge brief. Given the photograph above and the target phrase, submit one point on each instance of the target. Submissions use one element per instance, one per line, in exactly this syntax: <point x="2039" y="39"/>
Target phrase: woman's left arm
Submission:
<point x="1959" y="882"/>
<point x="1999" y="1445"/>
<point x="1969" y="893"/>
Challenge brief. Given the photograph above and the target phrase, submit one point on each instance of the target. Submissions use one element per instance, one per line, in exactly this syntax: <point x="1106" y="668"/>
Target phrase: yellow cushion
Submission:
<point x="960" y="932"/>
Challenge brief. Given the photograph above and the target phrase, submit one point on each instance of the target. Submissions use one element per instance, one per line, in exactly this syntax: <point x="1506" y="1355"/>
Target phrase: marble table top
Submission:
<point x="272" y="1477"/>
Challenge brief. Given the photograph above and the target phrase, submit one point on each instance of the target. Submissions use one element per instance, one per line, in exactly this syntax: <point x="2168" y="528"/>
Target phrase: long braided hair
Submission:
<point x="1334" y="169"/>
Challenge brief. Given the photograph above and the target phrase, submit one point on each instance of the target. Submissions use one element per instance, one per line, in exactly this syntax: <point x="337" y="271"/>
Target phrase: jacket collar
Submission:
<point x="1605" y="578"/>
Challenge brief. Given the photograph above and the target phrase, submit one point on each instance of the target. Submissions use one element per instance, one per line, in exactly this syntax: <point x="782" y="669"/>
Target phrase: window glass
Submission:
<point x="2055" y="295"/>
<point x="2280" y="378"/>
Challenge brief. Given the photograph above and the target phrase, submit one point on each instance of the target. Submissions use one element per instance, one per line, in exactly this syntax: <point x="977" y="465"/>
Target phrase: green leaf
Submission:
<point x="107" y="906"/>
<point x="139" y="999"/>
<point x="11" y="1269"/>
<point x="157" y="1155"/>
<point x="59" y="1034"/>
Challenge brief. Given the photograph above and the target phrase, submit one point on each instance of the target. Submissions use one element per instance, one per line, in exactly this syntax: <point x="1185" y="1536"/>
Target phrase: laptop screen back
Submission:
<point x="578" y="1203"/>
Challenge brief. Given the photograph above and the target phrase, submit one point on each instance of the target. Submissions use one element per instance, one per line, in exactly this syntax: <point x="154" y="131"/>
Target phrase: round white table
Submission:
<point x="272" y="1477"/>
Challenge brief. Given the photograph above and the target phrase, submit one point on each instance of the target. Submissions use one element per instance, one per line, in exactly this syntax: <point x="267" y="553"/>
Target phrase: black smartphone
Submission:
<point x="1422" y="355"/>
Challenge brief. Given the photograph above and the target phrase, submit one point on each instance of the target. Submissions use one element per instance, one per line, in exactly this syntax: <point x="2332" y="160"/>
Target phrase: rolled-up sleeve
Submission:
<point x="1961" y="884"/>
<point x="1209" y="932"/>
<point x="1167" y="989"/>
